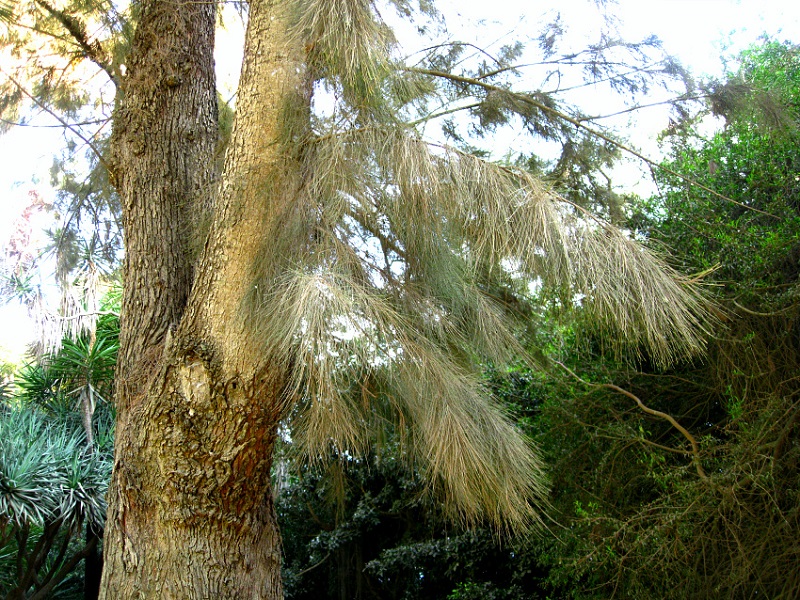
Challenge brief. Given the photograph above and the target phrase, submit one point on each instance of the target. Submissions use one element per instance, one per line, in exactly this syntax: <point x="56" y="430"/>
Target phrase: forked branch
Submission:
<point x="650" y="411"/>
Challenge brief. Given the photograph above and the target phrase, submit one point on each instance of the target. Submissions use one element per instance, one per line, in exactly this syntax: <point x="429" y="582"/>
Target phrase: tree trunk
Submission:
<point x="92" y="564"/>
<point x="190" y="505"/>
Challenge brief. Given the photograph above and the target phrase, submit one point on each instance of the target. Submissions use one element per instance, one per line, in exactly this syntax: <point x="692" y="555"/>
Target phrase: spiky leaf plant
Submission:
<point x="51" y="487"/>
<point x="29" y="478"/>
<point x="71" y="383"/>
<point x="392" y="305"/>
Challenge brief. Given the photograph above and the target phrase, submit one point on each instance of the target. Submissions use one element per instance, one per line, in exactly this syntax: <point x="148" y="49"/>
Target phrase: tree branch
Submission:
<point x="641" y="106"/>
<point x="37" y="126"/>
<point x="64" y="570"/>
<point x="577" y="123"/>
<point x="58" y="118"/>
<point x="442" y="113"/>
<point x="650" y="411"/>
<point x="776" y="313"/>
<point x="91" y="49"/>
<point x="314" y="566"/>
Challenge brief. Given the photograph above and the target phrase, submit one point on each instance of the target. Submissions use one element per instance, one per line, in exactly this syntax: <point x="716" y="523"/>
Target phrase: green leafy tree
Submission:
<point x="750" y="239"/>
<point x="644" y="522"/>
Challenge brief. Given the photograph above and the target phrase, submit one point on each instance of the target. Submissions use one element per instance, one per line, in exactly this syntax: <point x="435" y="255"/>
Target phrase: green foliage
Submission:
<point x="640" y="522"/>
<point x="57" y="382"/>
<point x="52" y="487"/>
<point x="386" y="539"/>
<point x="754" y="160"/>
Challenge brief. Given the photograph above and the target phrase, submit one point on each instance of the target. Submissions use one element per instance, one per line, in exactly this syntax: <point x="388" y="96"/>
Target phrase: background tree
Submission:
<point x="644" y="522"/>
<point x="363" y="529"/>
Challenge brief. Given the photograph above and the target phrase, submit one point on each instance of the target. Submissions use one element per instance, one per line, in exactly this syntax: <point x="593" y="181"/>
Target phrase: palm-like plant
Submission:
<point x="27" y="469"/>
<point x="51" y="487"/>
<point x="76" y="378"/>
<point x="55" y="462"/>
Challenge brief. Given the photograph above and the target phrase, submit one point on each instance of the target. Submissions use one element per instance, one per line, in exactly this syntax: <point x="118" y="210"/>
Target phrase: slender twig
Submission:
<point x="577" y="123"/>
<point x="45" y="126"/>
<point x="662" y="447"/>
<point x="641" y="106"/>
<point x="568" y="62"/>
<point x="442" y="113"/>
<point x="650" y="411"/>
<point x="643" y="69"/>
<point x="478" y="50"/>
<point x="314" y="566"/>
<point x="765" y="314"/>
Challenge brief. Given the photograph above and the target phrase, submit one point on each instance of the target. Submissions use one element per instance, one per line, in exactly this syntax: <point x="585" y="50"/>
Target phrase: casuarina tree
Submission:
<point x="339" y="275"/>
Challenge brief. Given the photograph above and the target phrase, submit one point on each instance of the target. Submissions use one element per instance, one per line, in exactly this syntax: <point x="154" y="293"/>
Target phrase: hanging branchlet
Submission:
<point x="634" y="297"/>
<point x="348" y="45"/>
<point x="333" y="333"/>
<point x="388" y="317"/>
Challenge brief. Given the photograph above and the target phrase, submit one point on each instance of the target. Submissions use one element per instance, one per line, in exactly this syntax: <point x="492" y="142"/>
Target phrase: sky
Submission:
<point x="696" y="31"/>
<point x="700" y="33"/>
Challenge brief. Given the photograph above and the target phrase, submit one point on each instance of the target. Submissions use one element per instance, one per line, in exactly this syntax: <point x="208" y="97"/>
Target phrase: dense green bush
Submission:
<point x="642" y="521"/>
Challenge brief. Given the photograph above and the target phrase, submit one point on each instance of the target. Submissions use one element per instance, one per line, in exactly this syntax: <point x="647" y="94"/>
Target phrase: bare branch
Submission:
<point x="642" y="106"/>
<point x="650" y="411"/>
<point x="58" y="118"/>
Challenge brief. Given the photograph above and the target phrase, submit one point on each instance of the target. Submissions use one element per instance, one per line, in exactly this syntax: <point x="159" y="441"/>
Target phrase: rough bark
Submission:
<point x="190" y="504"/>
<point x="164" y="136"/>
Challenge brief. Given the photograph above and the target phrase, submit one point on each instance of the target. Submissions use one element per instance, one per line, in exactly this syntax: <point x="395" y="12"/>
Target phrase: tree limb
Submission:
<point x="577" y="123"/>
<point x="765" y="314"/>
<point x="650" y="411"/>
<point x="58" y="118"/>
<point x="91" y="49"/>
<point x="64" y="570"/>
<point x="314" y="566"/>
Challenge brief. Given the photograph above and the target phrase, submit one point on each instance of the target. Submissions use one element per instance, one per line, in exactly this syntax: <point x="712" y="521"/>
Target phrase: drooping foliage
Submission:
<point x="634" y="516"/>
<point x="388" y="311"/>
<point x="364" y="530"/>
